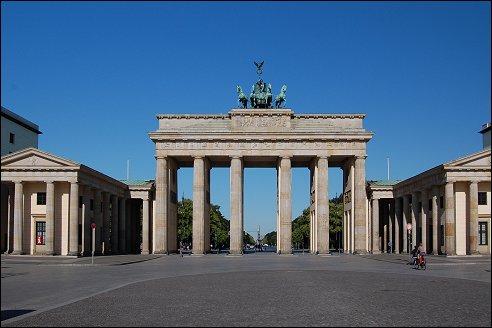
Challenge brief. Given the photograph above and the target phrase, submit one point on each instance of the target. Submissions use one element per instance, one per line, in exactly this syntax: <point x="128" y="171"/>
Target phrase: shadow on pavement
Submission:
<point x="7" y="314"/>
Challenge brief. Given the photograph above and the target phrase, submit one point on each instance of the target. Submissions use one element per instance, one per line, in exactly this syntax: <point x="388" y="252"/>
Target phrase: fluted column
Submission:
<point x="414" y="215"/>
<point x="404" y="224"/>
<point x="423" y="217"/>
<point x="98" y="220"/>
<point x="50" y="217"/>
<point x="18" y="217"/>
<point x="73" y="242"/>
<point x="376" y="248"/>
<point x="390" y="225"/>
<point x="145" y="226"/>
<point x="398" y="220"/>
<point x="284" y="229"/>
<point x="322" y="209"/>
<point x="199" y="205"/>
<point x="359" y="215"/>
<point x="161" y="204"/>
<point x="106" y="222"/>
<point x="435" y="222"/>
<point x="114" y="224"/>
<point x="473" y="231"/>
<point x="86" y="222"/>
<point x="236" y="190"/>
<point x="450" y="238"/>
<point x="122" y="225"/>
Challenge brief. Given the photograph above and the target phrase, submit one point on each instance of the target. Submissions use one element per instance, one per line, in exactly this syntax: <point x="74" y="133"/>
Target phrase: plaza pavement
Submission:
<point x="261" y="289"/>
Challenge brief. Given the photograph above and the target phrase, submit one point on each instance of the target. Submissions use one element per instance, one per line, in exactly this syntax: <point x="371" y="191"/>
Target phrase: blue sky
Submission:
<point x="94" y="75"/>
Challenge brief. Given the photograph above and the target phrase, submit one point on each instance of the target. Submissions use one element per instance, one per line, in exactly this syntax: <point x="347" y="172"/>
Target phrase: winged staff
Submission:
<point x="259" y="66"/>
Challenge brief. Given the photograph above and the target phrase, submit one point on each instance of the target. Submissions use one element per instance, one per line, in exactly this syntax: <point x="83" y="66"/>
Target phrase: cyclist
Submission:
<point x="415" y="253"/>
<point x="420" y="253"/>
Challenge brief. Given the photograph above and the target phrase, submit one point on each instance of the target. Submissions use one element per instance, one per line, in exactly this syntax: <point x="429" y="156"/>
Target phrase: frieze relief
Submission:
<point x="254" y="145"/>
<point x="248" y="122"/>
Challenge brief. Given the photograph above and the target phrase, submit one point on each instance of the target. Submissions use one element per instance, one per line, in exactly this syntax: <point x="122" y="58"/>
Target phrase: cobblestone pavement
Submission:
<point x="255" y="289"/>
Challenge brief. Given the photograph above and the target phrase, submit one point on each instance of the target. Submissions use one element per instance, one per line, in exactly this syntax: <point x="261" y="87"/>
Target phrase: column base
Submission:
<point x="16" y="253"/>
<point x="144" y="253"/>
<point x="235" y="253"/>
<point x="73" y="254"/>
<point x="161" y="252"/>
<point x="376" y="252"/>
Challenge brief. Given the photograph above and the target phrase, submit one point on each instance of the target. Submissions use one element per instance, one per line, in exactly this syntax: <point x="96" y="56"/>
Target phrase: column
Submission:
<point x="199" y="205"/>
<point x="414" y="215"/>
<point x="390" y="225"/>
<point x="398" y="219"/>
<point x="376" y="249"/>
<point x="18" y="217"/>
<point x="161" y="204"/>
<point x="473" y="231"/>
<point x="435" y="222"/>
<point x="284" y="228"/>
<point x="423" y="217"/>
<point x="344" y="232"/>
<point x="404" y="224"/>
<point x="106" y="222"/>
<point x="322" y="208"/>
<point x="50" y="217"/>
<point x="236" y="186"/>
<point x="172" y="214"/>
<point x="145" y="226"/>
<point x="385" y="238"/>
<point x="359" y="215"/>
<point x="450" y="239"/>
<point x="73" y="248"/>
<point x="86" y="222"/>
<point x="98" y="220"/>
<point x="114" y="224"/>
<point x="122" y="225"/>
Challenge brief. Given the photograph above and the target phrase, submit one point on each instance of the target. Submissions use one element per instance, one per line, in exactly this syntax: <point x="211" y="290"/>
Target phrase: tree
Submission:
<point x="270" y="239"/>
<point x="185" y="220"/>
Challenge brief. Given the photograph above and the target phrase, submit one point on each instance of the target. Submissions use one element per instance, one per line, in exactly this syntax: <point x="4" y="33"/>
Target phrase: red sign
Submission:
<point x="93" y="225"/>
<point x="39" y="240"/>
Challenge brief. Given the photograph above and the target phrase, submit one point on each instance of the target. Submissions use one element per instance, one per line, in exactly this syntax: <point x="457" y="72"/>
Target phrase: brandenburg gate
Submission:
<point x="261" y="136"/>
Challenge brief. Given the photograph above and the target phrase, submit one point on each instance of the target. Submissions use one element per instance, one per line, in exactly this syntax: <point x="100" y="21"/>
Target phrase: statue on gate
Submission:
<point x="261" y="93"/>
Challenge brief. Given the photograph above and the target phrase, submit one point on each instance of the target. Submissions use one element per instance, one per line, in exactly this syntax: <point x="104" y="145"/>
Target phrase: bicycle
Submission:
<point x="420" y="262"/>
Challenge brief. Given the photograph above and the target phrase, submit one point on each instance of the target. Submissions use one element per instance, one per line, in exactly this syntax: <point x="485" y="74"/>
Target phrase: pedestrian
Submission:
<point x="181" y="248"/>
<point x="390" y="245"/>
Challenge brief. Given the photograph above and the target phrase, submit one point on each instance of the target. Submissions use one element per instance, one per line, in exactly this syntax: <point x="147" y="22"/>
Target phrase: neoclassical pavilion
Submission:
<point x="49" y="202"/>
<point x="447" y="209"/>
<point x="261" y="138"/>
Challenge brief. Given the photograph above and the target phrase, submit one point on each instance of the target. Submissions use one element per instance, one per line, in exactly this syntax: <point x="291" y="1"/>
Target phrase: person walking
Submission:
<point x="390" y="245"/>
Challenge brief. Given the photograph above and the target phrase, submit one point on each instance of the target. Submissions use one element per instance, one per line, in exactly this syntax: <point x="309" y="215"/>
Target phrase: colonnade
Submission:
<point x="164" y="223"/>
<point x="424" y="211"/>
<point x="68" y="232"/>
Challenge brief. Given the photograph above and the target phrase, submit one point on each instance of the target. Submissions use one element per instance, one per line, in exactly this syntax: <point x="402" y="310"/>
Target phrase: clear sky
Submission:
<point x="94" y="75"/>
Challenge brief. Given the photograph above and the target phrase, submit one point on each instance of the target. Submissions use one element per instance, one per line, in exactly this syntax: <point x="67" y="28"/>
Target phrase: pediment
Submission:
<point x="34" y="158"/>
<point x="480" y="159"/>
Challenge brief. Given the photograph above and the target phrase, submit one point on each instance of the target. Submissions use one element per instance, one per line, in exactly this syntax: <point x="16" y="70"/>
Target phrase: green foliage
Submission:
<point x="270" y="238"/>
<point x="300" y="229"/>
<point x="248" y="239"/>
<point x="185" y="220"/>
<point x="219" y="226"/>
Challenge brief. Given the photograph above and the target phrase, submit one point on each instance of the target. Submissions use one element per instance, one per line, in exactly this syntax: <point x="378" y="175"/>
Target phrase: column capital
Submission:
<point x="49" y="181"/>
<point x="236" y="157"/>
<point x="323" y="157"/>
<point x="360" y="157"/>
<point x="473" y="181"/>
<point x="160" y="157"/>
